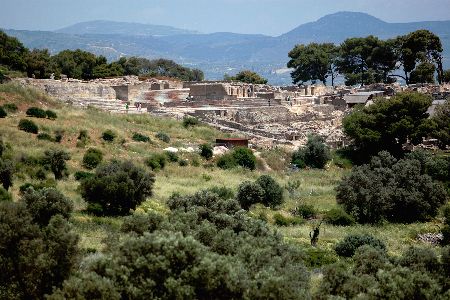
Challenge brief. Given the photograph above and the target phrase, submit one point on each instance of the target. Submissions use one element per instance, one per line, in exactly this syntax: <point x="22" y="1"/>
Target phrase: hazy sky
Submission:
<point x="271" y="17"/>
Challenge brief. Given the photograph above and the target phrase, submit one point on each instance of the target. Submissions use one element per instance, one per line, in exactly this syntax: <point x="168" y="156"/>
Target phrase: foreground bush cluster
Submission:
<point x="205" y="248"/>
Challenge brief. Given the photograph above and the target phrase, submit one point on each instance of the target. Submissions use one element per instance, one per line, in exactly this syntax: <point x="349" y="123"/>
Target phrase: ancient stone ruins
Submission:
<point x="268" y="115"/>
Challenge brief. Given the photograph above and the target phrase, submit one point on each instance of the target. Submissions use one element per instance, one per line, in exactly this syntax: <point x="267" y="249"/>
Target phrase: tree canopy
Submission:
<point x="313" y="62"/>
<point x="367" y="60"/>
<point x="389" y="124"/>
<point x="84" y="65"/>
<point x="247" y="77"/>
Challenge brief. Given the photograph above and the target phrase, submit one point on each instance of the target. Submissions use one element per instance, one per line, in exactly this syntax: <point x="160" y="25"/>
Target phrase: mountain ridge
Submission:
<point x="224" y="52"/>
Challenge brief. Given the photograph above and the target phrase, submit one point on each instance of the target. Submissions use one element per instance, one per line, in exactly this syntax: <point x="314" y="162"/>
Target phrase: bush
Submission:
<point x="10" y="107"/>
<point x="244" y="157"/>
<point x="51" y="115"/>
<point x="28" y="126"/>
<point x="83" y="136"/>
<point x="2" y="147"/>
<point x="45" y="203"/>
<point x="116" y="188"/>
<point x="183" y="163"/>
<point x="226" y="161"/>
<point x="273" y="192"/>
<point x="3" y="113"/>
<point x="338" y="217"/>
<point x="40" y="258"/>
<point x="156" y="161"/>
<point x="138" y="137"/>
<point x="59" y="134"/>
<point x="140" y="223"/>
<point x="109" y="135"/>
<point x="92" y="158"/>
<point x="206" y="151"/>
<point x="4" y="195"/>
<point x="314" y="155"/>
<point x="49" y="183"/>
<point x="6" y="173"/>
<point x="249" y="193"/>
<point x="389" y="189"/>
<point x="40" y="174"/>
<point x="306" y="211"/>
<point x="55" y="160"/>
<point x="347" y="247"/>
<point x="190" y="122"/>
<point x="36" y="112"/>
<point x="81" y="175"/>
<point x="163" y="137"/>
<point x="282" y="220"/>
<point x="420" y="259"/>
<point x="222" y="191"/>
<point x="171" y="156"/>
<point x="44" y="137"/>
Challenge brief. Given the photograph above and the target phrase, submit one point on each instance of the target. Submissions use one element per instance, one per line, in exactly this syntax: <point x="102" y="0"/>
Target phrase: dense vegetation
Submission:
<point x="247" y="76"/>
<point x="238" y="231"/>
<point x="80" y="64"/>
<point x="371" y="60"/>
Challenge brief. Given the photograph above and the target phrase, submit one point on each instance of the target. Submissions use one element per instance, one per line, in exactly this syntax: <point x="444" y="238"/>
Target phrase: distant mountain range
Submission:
<point x="220" y="53"/>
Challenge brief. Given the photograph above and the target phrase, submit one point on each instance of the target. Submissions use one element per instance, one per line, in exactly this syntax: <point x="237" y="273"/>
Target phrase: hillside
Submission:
<point x="220" y="53"/>
<point x="279" y="236"/>
<point x="316" y="186"/>
<point x="122" y="28"/>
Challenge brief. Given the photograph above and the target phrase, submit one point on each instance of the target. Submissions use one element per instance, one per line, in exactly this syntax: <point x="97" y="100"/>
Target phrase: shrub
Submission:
<point x="81" y="175"/>
<point x="190" y="122"/>
<point x="338" y="217"/>
<point x="28" y="126"/>
<point x="116" y="188"/>
<point x="2" y="147"/>
<point x="44" y="137"/>
<point x="40" y="174"/>
<point x="273" y="192"/>
<point x="6" y="173"/>
<point x="156" y="161"/>
<point x="171" y="156"/>
<point x="306" y="211"/>
<point x="206" y="151"/>
<point x="315" y="154"/>
<point x="36" y="112"/>
<point x="59" y="134"/>
<point x="249" y="193"/>
<point x="40" y="258"/>
<point x="83" y="135"/>
<point x="140" y="223"/>
<point x="222" y="191"/>
<point x="389" y="189"/>
<point x="92" y="158"/>
<point x="282" y="220"/>
<point x="317" y="258"/>
<point x="138" y="137"/>
<point x="10" y="107"/>
<point x="4" y="195"/>
<point x="420" y="259"/>
<point x="3" y="113"/>
<point x="45" y="203"/>
<point x="244" y="157"/>
<point x="347" y="247"/>
<point x="109" y="135"/>
<point x="183" y="163"/>
<point x="51" y="114"/>
<point x="55" y="160"/>
<point x="163" y="137"/>
<point x="49" y="183"/>
<point x="226" y="161"/>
